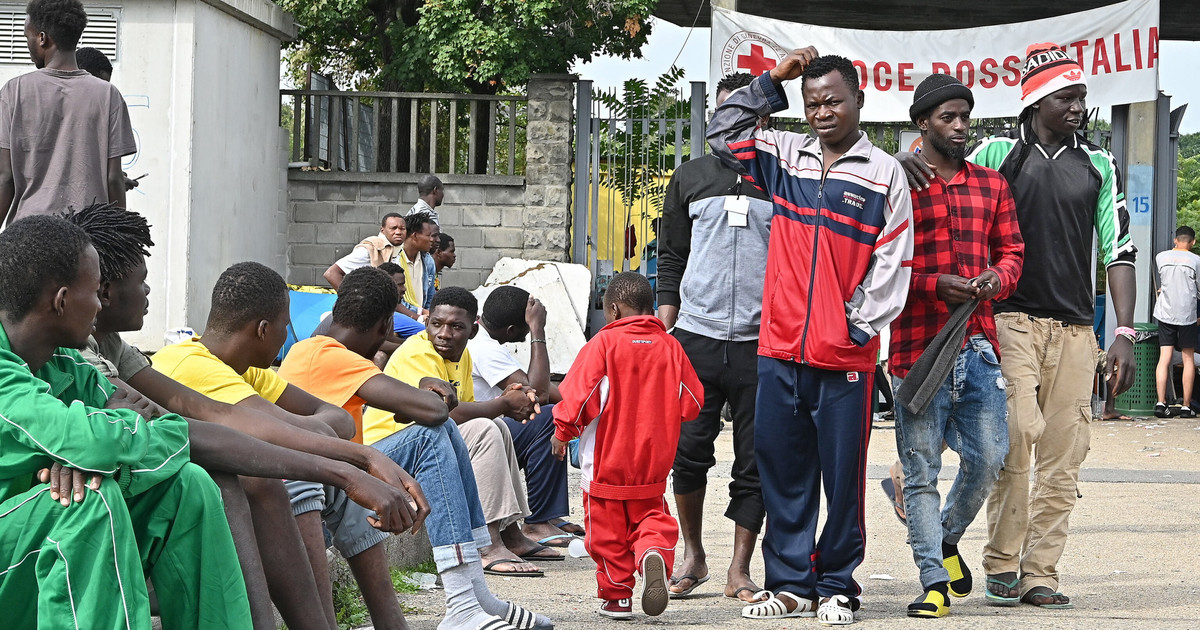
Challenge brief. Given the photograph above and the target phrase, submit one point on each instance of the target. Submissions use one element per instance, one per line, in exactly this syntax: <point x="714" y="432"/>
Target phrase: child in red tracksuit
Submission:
<point x="625" y="396"/>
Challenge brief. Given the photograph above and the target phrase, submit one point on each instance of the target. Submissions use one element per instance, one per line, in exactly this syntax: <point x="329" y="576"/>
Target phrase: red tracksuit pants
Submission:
<point x="620" y="532"/>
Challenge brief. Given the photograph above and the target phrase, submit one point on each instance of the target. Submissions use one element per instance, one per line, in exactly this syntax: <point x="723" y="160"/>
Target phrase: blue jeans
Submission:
<point x="437" y="458"/>
<point x="968" y="414"/>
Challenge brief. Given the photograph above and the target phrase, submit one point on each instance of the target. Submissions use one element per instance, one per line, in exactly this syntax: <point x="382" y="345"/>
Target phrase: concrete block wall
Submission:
<point x="331" y="212"/>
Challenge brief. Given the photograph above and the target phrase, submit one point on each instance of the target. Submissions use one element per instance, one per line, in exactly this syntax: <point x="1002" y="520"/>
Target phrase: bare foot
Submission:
<point x="509" y="562"/>
<point x="521" y="545"/>
<point x="546" y="534"/>
<point x="691" y="567"/>
<point x="738" y="585"/>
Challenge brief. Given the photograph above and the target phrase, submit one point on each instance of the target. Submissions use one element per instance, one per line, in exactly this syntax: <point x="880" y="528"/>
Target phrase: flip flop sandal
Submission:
<point x="1044" y="591"/>
<point x="494" y="623"/>
<point x="775" y="608"/>
<point x="687" y="591"/>
<point x="522" y="619"/>
<point x="531" y="556"/>
<point x="999" y="600"/>
<point x="490" y="571"/>
<point x="757" y="595"/>
<point x="889" y="488"/>
<point x="549" y="539"/>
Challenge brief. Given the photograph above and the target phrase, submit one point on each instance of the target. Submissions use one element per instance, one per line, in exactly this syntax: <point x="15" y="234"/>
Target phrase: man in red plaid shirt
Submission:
<point x="966" y="245"/>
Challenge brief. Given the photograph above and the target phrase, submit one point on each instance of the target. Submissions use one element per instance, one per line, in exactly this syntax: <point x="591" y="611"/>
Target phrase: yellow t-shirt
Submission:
<point x="414" y="360"/>
<point x="193" y="365"/>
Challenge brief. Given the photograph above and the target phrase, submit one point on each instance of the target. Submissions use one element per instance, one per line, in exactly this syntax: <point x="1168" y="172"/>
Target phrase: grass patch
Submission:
<point x="403" y="580"/>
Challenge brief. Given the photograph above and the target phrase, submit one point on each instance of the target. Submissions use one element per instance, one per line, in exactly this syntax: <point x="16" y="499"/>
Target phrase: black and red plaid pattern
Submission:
<point x="962" y="227"/>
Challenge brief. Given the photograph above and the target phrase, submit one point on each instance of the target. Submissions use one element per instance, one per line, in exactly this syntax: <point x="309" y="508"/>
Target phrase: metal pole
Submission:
<point x="583" y="141"/>
<point x="698" y="119"/>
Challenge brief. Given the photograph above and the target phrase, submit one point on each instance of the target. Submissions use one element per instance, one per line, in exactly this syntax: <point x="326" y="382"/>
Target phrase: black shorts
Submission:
<point x="1181" y="336"/>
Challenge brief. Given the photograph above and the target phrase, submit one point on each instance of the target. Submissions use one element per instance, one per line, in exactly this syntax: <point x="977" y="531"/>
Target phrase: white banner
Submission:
<point x="1117" y="45"/>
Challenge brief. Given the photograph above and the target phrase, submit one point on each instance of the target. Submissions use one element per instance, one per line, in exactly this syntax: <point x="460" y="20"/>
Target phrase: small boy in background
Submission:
<point x="1175" y="310"/>
<point x="625" y="397"/>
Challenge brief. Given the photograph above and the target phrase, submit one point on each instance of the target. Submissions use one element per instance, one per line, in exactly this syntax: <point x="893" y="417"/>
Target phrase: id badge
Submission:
<point x="736" y="211"/>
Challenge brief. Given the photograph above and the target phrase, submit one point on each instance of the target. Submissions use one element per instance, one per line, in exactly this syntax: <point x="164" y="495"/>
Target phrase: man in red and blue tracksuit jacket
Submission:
<point x="838" y="268"/>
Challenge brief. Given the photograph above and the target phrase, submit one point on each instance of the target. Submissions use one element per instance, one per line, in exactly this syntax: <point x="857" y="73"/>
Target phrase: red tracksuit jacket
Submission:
<point x="625" y="396"/>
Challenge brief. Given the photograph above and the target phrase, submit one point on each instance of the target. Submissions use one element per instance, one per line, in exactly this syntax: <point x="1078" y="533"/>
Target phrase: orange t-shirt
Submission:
<point x="325" y="368"/>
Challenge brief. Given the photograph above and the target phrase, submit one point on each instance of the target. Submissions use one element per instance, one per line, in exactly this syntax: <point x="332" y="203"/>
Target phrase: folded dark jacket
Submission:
<point x="928" y="374"/>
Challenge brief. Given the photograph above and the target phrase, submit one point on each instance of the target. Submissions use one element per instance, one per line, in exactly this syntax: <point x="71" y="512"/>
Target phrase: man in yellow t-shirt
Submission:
<point x="338" y="368"/>
<point x="441" y="352"/>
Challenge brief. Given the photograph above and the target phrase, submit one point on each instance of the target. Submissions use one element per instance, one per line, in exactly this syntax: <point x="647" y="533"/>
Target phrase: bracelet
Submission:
<point x="1127" y="332"/>
<point x="537" y="341"/>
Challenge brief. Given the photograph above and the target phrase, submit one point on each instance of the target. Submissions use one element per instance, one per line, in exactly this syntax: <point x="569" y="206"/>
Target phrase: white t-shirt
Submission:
<point x="490" y="365"/>
<point x="358" y="257"/>
<point x="414" y="276"/>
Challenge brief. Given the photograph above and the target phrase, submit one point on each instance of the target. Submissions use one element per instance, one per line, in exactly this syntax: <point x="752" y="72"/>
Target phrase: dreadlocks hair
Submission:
<point x="505" y="306"/>
<point x="29" y="264"/>
<point x="246" y="292"/>
<point x="121" y="237"/>
<point x="391" y="268"/>
<point x="62" y="20"/>
<point x="416" y="222"/>
<point x="391" y="215"/>
<point x="631" y="289"/>
<point x="93" y="61"/>
<point x="457" y="297"/>
<point x="442" y="242"/>
<point x="735" y="81"/>
<point x="365" y="297"/>
<point x="825" y="64"/>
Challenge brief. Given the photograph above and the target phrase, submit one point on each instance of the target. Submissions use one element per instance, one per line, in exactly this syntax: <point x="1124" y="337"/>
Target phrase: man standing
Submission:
<point x="711" y="212"/>
<point x="63" y="132"/>
<point x="373" y="250"/>
<point x="1066" y="189"/>
<point x="837" y="272"/>
<point x="966" y="246"/>
<point x="431" y="193"/>
<point x="1175" y="310"/>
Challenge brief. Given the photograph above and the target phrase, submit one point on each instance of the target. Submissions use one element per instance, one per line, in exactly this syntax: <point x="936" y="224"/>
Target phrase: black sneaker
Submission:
<point x="1162" y="410"/>
<point x="1186" y="411"/>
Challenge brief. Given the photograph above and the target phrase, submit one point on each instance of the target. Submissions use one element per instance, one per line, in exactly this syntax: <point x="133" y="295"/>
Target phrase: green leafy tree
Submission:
<point x="1188" y="208"/>
<point x="1189" y="145"/>
<point x="477" y="46"/>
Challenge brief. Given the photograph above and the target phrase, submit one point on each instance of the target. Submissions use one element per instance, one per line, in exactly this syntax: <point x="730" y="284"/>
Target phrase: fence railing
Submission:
<point x="406" y="132"/>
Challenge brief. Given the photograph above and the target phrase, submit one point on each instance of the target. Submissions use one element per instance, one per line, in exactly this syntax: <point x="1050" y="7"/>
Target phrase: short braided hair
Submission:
<point x="122" y="237"/>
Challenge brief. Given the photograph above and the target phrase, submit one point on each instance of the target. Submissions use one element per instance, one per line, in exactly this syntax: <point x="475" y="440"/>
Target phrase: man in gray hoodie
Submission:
<point x="714" y="304"/>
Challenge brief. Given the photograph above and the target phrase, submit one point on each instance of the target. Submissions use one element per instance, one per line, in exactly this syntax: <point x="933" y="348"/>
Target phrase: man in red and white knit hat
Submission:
<point x="1065" y="189"/>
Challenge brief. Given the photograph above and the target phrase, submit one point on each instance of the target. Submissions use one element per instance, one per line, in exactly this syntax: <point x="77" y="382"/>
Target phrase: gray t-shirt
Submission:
<point x="61" y="128"/>
<point x="115" y="358"/>
<point x="1179" y="283"/>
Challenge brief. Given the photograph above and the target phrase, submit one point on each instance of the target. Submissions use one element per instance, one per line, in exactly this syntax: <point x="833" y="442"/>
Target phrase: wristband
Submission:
<point x="537" y="341"/>
<point x="1127" y="332"/>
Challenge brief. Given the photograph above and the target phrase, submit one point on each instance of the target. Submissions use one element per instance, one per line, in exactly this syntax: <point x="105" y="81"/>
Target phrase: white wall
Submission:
<point x="239" y="166"/>
<point x="201" y="80"/>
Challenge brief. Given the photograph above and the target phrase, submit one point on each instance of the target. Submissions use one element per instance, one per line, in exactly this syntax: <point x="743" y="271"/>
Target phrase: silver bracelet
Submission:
<point x="537" y="341"/>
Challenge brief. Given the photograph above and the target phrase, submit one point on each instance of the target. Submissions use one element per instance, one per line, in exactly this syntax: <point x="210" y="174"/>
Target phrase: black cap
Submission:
<point x="935" y="90"/>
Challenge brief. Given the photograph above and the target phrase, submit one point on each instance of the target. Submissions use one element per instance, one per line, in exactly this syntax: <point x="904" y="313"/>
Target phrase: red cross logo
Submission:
<point x="756" y="62"/>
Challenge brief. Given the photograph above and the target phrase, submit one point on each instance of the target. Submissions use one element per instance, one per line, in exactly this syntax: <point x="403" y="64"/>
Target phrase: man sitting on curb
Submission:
<point x="373" y="250"/>
<point x="145" y="510"/>
<point x="441" y="352"/>
<point x="122" y="239"/>
<point x="510" y="315"/>
<point x="246" y="326"/>
<point x="337" y="368"/>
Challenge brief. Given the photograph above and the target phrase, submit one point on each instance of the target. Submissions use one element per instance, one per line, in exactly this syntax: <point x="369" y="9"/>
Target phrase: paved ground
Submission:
<point x="1130" y="563"/>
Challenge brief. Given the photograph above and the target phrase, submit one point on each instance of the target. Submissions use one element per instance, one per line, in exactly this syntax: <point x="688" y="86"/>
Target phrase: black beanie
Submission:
<point x="935" y="90"/>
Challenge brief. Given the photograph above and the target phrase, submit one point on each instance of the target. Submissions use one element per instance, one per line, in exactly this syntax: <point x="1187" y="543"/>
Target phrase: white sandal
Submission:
<point x="775" y="608"/>
<point x="835" y="611"/>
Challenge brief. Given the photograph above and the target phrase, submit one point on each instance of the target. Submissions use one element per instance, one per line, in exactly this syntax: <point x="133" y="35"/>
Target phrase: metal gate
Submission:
<point x="627" y="144"/>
